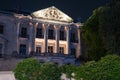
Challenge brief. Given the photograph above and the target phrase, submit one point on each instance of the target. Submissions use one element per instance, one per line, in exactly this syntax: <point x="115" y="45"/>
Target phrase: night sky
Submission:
<point x="74" y="8"/>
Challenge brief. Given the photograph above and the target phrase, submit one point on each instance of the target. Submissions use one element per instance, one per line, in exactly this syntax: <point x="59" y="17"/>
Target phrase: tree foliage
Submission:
<point x="50" y="71"/>
<point x="110" y="27"/>
<point x="28" y="69"/>
<point x="31" y="69"/>
<point x="92" y="36"/>
<point x="108" y="68"/>
<point x="102" y="31"/>
<point x="68" y="69"/>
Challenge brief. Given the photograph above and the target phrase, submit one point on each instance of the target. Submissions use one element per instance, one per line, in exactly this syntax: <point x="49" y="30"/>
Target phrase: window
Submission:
<point x="23" y="32"/>
<point x="73" y="51"/>
<point x="61" y="49"/>
<point x="38" y="50"/>
<point x="73" y="37"/>
<point x="62" y="35"/>
<point x="22" y="50"/>
<point x="1" y="50"/>
<point x="1" y="29"/>
<point x="50" y="34"/>
<point x="39" y="33"/>
<point x="50" y="49"/>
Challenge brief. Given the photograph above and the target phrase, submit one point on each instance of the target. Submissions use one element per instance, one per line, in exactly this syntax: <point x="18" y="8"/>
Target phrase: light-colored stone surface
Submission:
<point x="7" y="75"/>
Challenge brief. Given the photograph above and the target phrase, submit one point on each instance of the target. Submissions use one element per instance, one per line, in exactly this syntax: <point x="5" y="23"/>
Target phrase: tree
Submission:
<point x="92" y="37"/>
<point x="110" y="27"/>
<point x="102" y="31"/>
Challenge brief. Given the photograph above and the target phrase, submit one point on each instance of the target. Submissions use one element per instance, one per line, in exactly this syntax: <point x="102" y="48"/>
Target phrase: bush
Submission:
<point x="108" y="68"/>
<point x="31" y="69"/>
<point x="28" y="69"/>
<point x="68" y="69"/>
<point x="50" y="71"/>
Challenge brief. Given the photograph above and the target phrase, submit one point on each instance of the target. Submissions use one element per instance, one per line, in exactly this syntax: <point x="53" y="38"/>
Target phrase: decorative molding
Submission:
<point x="52" y="13"/>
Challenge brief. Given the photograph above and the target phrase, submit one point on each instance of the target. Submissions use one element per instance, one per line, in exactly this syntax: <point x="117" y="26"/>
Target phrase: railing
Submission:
<point x="54" y="55"/>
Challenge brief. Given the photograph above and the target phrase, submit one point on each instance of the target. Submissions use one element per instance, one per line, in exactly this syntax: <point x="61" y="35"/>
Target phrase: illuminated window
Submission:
<point x="61" y="50"/>
<point x="1" y="29"/>
<point x="50" y="49"/>
<point x="51" y="34"/>
<point x="23" y="32"/>
<point x="39" y="33"/>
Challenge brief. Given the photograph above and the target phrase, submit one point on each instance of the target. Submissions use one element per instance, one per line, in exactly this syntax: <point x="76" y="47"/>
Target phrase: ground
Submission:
<point x="6" y="75"/>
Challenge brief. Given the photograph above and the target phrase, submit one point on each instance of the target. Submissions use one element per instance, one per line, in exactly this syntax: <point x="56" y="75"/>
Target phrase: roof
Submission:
<point x="52" y="13"/>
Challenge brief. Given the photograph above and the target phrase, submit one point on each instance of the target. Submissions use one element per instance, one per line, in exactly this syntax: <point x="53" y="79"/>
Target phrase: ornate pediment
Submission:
<point x="52" y="13"/>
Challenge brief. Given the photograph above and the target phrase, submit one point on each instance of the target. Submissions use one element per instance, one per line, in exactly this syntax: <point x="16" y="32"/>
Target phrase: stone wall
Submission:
<point x="8" y="64"/>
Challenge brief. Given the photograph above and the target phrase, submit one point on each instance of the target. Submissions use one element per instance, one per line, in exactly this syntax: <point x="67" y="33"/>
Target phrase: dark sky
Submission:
<point x="74" y="8"/>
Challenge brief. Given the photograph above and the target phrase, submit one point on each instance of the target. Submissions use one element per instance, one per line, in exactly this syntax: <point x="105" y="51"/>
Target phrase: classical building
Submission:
<point x="48" y="34"/>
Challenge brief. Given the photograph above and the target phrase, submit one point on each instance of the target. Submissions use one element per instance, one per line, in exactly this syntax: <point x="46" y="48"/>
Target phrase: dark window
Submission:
<point x="23" y="32"/>
<point x="73" y="51"/>
<point x="51" y="34"/>
<point x="73" y="37"/>
<point x="39" y="33"/>
<point x="50" y="49"/>
<point x="1" y="50"/>
<point x="62" y="37"/>
<point x="1" y="29"/>
<point x="61" y="49"/>
<point x="38" y="50"/>
<point x="22" y="50"/>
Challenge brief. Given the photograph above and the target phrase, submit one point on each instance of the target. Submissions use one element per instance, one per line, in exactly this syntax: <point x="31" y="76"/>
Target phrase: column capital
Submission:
<point x="67" y="27"/>
<point x="57" y="27"/>
<point x="45" y="25"/>
<point x="30" y="23"/>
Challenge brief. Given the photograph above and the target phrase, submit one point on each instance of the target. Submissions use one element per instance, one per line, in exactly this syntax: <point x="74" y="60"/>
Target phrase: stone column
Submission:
<point x="31" y="37"/>
<point x="45" y="37"/>
<point x="79" y="43"/>
<point x="57" y="38"/>
<point x="17" y="36"/>
<point x="34" y="35"/>
<point x="68" y="39"/>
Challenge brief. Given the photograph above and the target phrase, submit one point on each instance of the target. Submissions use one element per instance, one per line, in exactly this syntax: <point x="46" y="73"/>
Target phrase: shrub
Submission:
<point x="31" y="69"/>
<point x="50" y="71"/>
<point x="108" y="68"/>
<point x="68" y="69"/>
<point x="28" y="69"/>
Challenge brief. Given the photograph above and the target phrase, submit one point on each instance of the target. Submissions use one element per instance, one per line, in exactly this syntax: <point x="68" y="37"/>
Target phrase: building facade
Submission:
<point x="48" y="33"/>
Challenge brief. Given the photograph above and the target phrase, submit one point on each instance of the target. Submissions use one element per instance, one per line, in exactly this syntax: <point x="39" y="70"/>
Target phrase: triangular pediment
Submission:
<point x="52" y="13"/>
